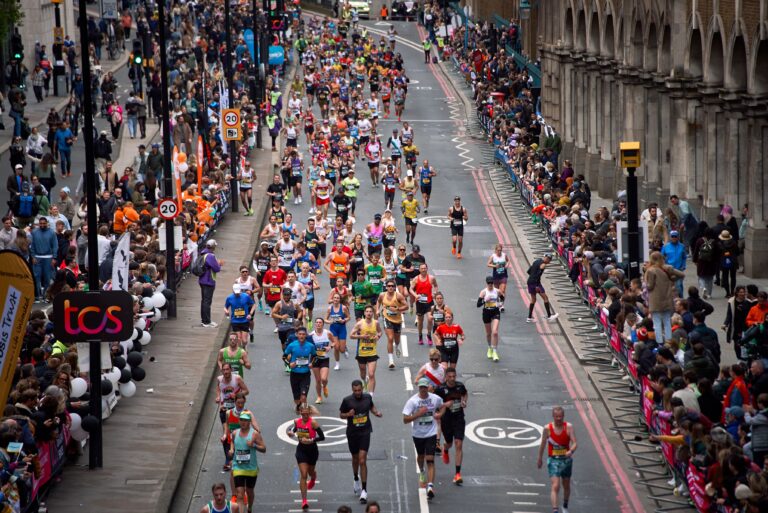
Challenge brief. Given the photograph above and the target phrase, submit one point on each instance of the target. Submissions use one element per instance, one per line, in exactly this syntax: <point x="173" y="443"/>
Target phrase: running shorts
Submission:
<point x="453" y="427"/>
<point x="535" y="288"/>
<point x="425" y="446"/>
<point x="358" y="441"/>
<point x="489" y="315"/>
<point x="394" y="326"/>
<point x="560" y="467"/>
<point x="245" y="481"/>
<point x="423" y="308"/>
<point x="457" y="230"/>
<point x="448" y="355"/>
<point x="299" y="384"/>
<point x="239" y="327"/>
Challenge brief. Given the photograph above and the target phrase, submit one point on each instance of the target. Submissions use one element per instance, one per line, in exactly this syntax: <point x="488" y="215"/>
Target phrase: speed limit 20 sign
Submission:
<point x="168" y="209"/>
<point x="231" y="122"/>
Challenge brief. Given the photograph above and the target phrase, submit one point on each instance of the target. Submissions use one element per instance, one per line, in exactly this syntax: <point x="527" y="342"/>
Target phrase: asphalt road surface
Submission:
<point x="510" y="401"/>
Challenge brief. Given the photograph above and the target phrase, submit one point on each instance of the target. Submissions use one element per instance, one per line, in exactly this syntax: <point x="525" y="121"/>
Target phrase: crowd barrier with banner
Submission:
<point x="693" y="475"/>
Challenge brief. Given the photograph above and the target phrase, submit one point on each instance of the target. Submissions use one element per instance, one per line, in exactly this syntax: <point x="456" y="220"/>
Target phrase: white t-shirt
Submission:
<point x="364" y="126"/>
<point x="424" y="426"/>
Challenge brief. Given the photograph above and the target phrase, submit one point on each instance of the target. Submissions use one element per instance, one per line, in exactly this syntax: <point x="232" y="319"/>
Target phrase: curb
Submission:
<point x="196" y="422"/>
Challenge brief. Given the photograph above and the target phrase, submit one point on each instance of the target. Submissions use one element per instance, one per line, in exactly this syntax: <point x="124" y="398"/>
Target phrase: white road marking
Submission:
<point x="423" y="501"/>
<point x="308" y="500"/>
<point x="303" y="510"/>
<point x="524" y="503"/>
<point x="534" y="484"/>
<point x="308" y="491"/>
<point x="404" y="345"/>
<point x="522" y="493"/>
<point x="408" y="379"/>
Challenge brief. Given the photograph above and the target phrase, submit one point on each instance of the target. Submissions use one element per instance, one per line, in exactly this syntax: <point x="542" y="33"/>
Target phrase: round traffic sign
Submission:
<point x="436" y="221"/>
<point x="231" y="118"/>
<point x="334" y="429"/>
<point x="504" y="433"/>
<point x="168" y="208"/>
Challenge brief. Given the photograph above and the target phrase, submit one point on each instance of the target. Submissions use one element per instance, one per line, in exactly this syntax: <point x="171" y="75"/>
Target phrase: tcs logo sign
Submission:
<point x="102" y="316"/>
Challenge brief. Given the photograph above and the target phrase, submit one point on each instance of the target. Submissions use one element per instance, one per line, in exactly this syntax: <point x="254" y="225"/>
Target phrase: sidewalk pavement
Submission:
<point x="148" y="440"/>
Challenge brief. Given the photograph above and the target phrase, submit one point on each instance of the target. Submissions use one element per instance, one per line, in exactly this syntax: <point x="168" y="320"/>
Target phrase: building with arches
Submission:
<point x="686" y="78"/>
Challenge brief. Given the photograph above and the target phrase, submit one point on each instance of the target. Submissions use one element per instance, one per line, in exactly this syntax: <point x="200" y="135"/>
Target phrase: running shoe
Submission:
<point x="430" y="492"/>
<point x="489" y="353"/>
<point x="415" y="321"/>
<point x="304" y="504"/>
<point x="410" y="310"/>
<point x="501" y="308"/>
<point x="337" y="366"/>
<point x="325" y="390"/>
<point x="357" y="487"/>
<point x="312" y="210"/>
<point x="553" y="317"/>
<point x="457" y="480"/>
<point x="247" y="212"/>
<point x="446" y="456"/>
<point x="287" y="368"/>
<point x="391" y="365"/>
<point x="429" y="340"/>
<point x="311" y="483"/>
<point x="421" y="341"/>
<point x="426" y="211"/>
<point x="267" y="311"/>
<point x="365" y="386"/>
<point x="459" y="257"/>
<point x="453" y="250"/>
<point x="530" y="319"/>
<point x="274" y="330"/>
<point x="398" y="353"/>
<point x="319" y="400"/>
<point x="346" y="354"/>
<point x="251" y="211"/>
<point x="209" y="325"/>
<point x="495" y="356"/>
<point x="363" y="497"/>
<point x="261" y="306"/>
<point x="564" y="510"/>
<point x="422" y="477"/>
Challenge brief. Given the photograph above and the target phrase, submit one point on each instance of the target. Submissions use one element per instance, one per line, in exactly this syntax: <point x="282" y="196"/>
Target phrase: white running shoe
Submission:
<point x="530" y="319"/>
<point x="312" y="210"/>
<point x="357" y="487"/>
<point x="363" y="497"/>
<point x="553" y="317"/>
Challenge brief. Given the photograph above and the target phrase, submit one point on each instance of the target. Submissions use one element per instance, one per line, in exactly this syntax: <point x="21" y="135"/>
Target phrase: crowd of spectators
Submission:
<point x="47" y="227"/>
<point x="717" y="414"/>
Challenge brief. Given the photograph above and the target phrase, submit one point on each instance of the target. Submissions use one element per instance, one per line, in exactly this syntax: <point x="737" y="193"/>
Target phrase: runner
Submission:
<point x="357" y="408"/>
<point x="324" y="341"/>
<point x="297" y="355"/>
<point x="374" y="232"/>
<point x="367" y="332"/>
<point x="273" y="281"/>
<point x="432" y="370"/>
<point x="220" y="503"/>
<point x="312" y="239"/>
<point x="229" y="385"/>
<point x="231" y="424"/>
<point x="307" y="432"/>
<point x="249" y="285"/>
<point x="436" y="316"/>
<point x="391" y="305"/>
<point x="373" y="154"/>
<point x="357" y="259"/>
<point x="423" y="286"/>
<point x="498" y="262"/>
<point x="391" y="183"/>
<point x="297" y="175"/>
<point x="454" y="395"/>
<point x="284" y="250"/>
<point x="270" y="233"/>
<point x="287" y="316"/>
<point x="423" y="410"/>
<point x="336" y="317"/>
<point x="395" y="145"/>
<point x="408" y="269"/>
<point x="410" y="209"/>
<point x="489" y="300"/>
<point x="246" y="178"/>
<point x="535" y="287"/>
<point x="390" y="230"/>
<point x="240" y="309"/>
<point x="235" y="355"/>
<point x="375" y="276"/>
<point x="337" y="264"/>
<point x="260" y="264"/>
<point x="448" y="338"/>
<point x="559" y="439"/>
<point x="246" y="442"/>
<point x="298" y="292"/>
<point x="309" y="281"/>
<point x="458" y="217"/>
<point x="426" y="173"/>
<point x="322" y="190"/>
<point x="350" y="186"/>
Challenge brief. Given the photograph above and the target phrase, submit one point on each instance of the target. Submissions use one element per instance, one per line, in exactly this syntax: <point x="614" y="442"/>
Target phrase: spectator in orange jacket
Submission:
<point x="758" y="312"/>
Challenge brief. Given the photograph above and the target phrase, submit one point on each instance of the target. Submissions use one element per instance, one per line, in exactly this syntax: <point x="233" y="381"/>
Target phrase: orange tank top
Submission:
<point x="558" y="443"/>
<point x="423" y="289"/>
<point x="338" y="263"/>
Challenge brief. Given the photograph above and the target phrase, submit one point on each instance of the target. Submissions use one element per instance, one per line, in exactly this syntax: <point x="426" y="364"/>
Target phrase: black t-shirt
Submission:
<point x="413" y="261"/>
<point x="535" y="272"/>
<point x="277" y="189"/>
<point x="360" y="423"/>
<point x="454" y="393"/>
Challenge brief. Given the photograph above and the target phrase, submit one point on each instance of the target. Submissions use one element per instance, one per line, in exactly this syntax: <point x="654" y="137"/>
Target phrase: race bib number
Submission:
<point x="449" y="343"/>
<point x="302" y="362"/>
<point x="426" y="419"/>
<point x="559" y="451"/>
<point x="239" y="312"/>
<point x="374" y="281"/>
<point x="229" y="404"/>
<point x="490" y="304"/>
<point x="360" y="419"/>
<point x="274" y="290"/>
<point x="242" y="456"/>
<point x="339" y="268"/>
<point x="456" y="406"/>
<point x="321" y="353"/>
<point x="422" y="298"/>
<point x="426" y="180"/>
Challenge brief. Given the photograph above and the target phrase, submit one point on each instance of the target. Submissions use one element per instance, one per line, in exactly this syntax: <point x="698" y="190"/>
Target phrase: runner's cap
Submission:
<point x="236" y="288"/>
<point x="424" y="382"/>
<point x="245" y="416"/>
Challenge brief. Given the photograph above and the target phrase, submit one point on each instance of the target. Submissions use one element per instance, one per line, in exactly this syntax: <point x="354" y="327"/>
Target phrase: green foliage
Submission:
<point x="10" y="16"/>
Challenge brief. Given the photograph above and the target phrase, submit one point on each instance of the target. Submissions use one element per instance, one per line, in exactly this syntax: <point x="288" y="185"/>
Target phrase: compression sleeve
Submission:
<point x="320" y="435"/>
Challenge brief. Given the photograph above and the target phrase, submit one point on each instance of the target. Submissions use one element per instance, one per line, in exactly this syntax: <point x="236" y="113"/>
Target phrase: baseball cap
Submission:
<point x="211" y="243"/>
<point x="416" y="247"/>
<point x="236" y="288"/>
<point x="377" y="216"/>
<point x="674" y="233"/>
<point x="18" y="166"/>
<point x="409" y="173"/>
<point x="65" y="189"/>
<point x="423" y="382"/>
<point x="245" y="416"/>
<point x="736" y="411"/>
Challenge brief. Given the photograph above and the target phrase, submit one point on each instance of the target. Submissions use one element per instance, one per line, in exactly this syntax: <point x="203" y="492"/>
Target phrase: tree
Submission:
<point x="10" y="16"/>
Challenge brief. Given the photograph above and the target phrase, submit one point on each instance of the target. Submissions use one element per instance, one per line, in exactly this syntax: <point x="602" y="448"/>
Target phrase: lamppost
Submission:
<point x="630" y="160"/>
<point x="58" y="54"/>
<point x="231" y="103"/>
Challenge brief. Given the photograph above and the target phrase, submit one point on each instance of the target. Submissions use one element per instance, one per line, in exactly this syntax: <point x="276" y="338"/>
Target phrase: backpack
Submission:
<point x="727" y="260"/>
<point x="26" y="205"/>
<point x="198" y="266"/>
<point x="117" y="117"/>
<point x="706" y="251"/>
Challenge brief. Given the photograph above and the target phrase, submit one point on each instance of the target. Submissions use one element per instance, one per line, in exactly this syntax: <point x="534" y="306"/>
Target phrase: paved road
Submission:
<point x="510" y="400"/>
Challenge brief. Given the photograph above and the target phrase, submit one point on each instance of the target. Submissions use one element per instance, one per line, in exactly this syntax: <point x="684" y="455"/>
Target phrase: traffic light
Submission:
<point x="137" y="54"/>
<point x="275" y="14"/>
<point x="17" y="47"/>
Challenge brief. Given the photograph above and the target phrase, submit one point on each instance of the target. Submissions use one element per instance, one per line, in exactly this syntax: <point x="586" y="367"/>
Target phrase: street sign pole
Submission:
<point x="95" y="458"/>
<point x="170" y="243"/>
<point x="630" y="160"/>
<point x="231" y="104"/>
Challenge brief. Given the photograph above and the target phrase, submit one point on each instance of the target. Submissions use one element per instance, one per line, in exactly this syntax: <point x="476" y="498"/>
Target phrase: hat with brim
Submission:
<point x="725" y="235"/>
<point x="424" y="382"/>
<point x="245" y="416"/>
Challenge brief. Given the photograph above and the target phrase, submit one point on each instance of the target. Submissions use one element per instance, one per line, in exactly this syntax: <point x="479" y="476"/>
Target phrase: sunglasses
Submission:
<point x="390" y="286"/>
<point x="434" y="359"/>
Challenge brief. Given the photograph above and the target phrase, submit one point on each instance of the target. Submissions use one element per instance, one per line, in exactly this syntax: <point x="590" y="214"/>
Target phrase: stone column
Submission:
<point x="566" y="106"/>
<point x="735" y="163"/>
<point x="666" y="131"/>
<point x="756" y="250"/>
<point x="606" y="184"/>
<point x="593" y="121"/>
<point x="713" y="154"/>
<point x="580" y="121"/>
<point x="650" y="143"/>
<point x="680" y="155"/>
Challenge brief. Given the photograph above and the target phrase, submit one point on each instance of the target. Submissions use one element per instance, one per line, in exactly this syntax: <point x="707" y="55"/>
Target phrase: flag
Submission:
<point x="17" y="293"/>
<point x="120" y="263"/>
<point x="200" y="157"/>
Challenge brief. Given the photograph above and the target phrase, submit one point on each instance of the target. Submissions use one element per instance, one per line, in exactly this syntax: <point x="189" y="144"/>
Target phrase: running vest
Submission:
<point x="290" y="310"/>
<point x="390" y="309"/>
<point x="234" y="361"/>
<point x="338" y="263"/>
<point x="228" y="391"/>
<point x="322" y="343"/>
<point x="244" y="462"/>
<point x="499" y="265"/>
<point x="423" y="289"/>
<point x="374" y="235"/>
<point x="307" y="282"/>
<point x="558" y="444"/>
<point x="336" y="316"/>
<point x="310" y="240"/>
<point x="438" y="316"/>
<point x="304" y="430"/>
<point x="226" y="508"/>
<point x="457" y="216"/>
<point x="366" y="345"/>
<point x="285" y="253"/>
<point x="491" y="301"/>
<point x="424" y="177"/>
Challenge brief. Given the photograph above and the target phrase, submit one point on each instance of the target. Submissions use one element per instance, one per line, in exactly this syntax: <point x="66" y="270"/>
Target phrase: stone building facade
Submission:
<point x="686" y="78"/>
<point x="38" y="23"/>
